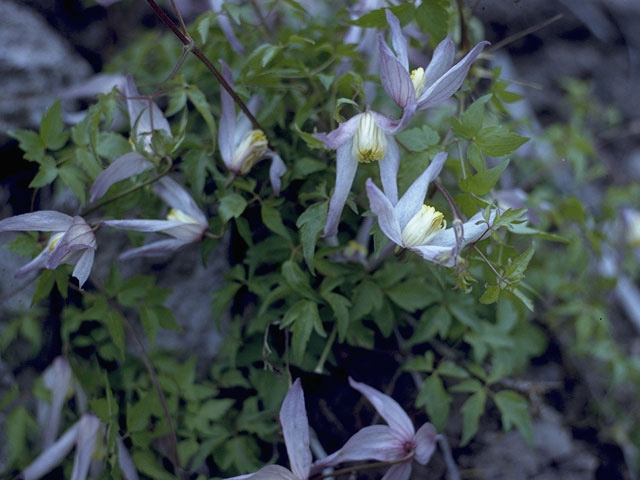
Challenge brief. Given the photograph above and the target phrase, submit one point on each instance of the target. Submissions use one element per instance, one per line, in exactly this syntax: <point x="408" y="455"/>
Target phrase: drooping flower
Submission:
<point x="395" y="441"/>
<point x="72" y="242"/>
<point x="225" y="25"/>
<point x="87" y="436"/>
<point x="420" y="228"/>
<point x="241" y="147"/>
<point x="424" y="87"/>
<point x="295" y="428"/>
<point x="58" y="378"/>
<point x="185" y="222"/>
<point x="364" y="138"/>
<point x="145" y="117"/>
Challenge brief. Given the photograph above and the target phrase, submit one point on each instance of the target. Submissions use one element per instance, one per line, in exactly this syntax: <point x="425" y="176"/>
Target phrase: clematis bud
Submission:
<point x="369" y="142"/>
<point x="250" y="151"/>
<point x="423" y="226"/>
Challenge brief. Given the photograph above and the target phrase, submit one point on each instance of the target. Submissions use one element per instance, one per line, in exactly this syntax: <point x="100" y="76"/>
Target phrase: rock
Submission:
<point x="35" y="63"/>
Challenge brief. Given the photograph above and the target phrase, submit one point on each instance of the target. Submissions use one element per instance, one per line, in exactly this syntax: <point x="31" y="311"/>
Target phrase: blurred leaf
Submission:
<point x="436" y="400"/>
<point x="472" y="409"/>
<point x="498" y="140"/>
<point x="197" y="98"/>
<point x="433" y="18"/>
<point x="418" y="139"/>
<point x="311" y="223"/>
<point x="515" y="411"/>
<point x="482" y="182"/>
<point x="47" y="173"/>
<point x="52" y="126"/>
<point x="231" y="206"/>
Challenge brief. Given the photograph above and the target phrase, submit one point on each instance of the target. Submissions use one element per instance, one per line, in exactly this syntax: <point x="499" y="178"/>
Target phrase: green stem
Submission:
<point x="327" y="349"/>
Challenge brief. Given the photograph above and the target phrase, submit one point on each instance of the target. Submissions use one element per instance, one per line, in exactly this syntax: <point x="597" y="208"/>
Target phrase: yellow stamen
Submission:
<point x="423" y="226"/>
<point x="251" y="149"/>
<point x="176" y="215"/>
<point x="419" y="80"/>
<point x="53" y="241"/>
<point x="369" y="142"/>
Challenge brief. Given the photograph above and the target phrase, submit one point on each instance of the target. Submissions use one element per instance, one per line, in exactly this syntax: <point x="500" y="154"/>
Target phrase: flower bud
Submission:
<point x="369" y="142"/>
<point x="250" y="150"/>
<point x="423" y="226"/>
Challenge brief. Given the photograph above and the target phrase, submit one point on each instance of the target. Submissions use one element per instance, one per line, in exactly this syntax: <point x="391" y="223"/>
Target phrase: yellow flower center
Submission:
<point x="354" y="247"/>
<point x="369" y="142"/>
<point x="53" y="241"/>
<point x="418" y="79"/>
<point x="423" y="226"/>
<point x="176" y="215"/>
<point x="249" y="152"/>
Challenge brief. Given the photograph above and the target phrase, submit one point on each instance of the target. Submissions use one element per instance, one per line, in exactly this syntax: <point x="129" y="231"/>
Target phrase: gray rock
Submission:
<point x="35" y="63"/>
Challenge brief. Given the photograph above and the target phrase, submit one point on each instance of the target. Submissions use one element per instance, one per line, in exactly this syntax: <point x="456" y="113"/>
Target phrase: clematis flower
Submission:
<point x="72" y="243"/>
<point x="424" y="87"/>
<point x="395" y="441"/>
<point x="185" y="222"/>
<point x="295" y="428"/>
<point x="225" y="25"/>
<point x="87" y="436"/>
<point x="145" y="117"/>
<point x="241" y="147"/>
<point x="58" y="378"/>
<point x="421" y="228"/>
<point x="364" y="138"/>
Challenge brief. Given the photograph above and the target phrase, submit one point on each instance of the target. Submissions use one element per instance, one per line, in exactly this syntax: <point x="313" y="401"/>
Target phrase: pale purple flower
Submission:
<point x="295" y="428"/>
<point x="631" y="219"/>
<point x="241" y="147"/>
<point x="72" y="242"/>
<point x="386" y="443"/>
<point x="424" y="87"/>
<point x="225" y="25"/>
<point x="123" y="167"/>
<point x="185" y="222"/>
<point x="364" y="138"/>
<point x="58" y="378"/>
<point x="87" y="436"/>
<point x="411" y="224"/>
<point x="144" y="115"/>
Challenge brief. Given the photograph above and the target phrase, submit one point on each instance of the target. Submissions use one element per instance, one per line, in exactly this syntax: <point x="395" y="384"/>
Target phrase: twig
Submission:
<point x="384" y="253"/>
<point x="464" y="35"/>
<point x="524" y="33"/>
<point x="207" y="63"/>
<point x="359" y="468"/>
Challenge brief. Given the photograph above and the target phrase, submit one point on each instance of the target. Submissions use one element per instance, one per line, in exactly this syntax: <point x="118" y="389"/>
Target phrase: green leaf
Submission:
<point x="47" y="173"/>
<point x="44" y="286"/>
<point x="52" y="126"/>
<point x="436" y="320"/>
<point x="273" y="220"/>
<point x="75" y="179"/>
<point x="194" y="165"/>
<point x="470" y="385"/>
<point x="222" y="297"/>
<point x="215" y="409"/>
<point x="305" y="317"/>
<point x="115" y="326"/>
<point x="475" y="157"/>
<point x="112" y="145"/>
<point x="472" y="409"/>
<point x="473" y="117"/>
<point x="482" y="182"/>
<point x="378" y="19"/>
<point x="497" y="141"/>
<point x="197" y="98"/>
<point x="340" y="306"/>
<point x="367" y="296"/>
<point x="437" y="401"/>
<point x="30" y="143"/>
<point x="449" y="369"/>
<point x="17" y="424"/>
<point x="298" y="280"/>
<point x="515" y="411"/>
<point x="146" y="462"/>
<point x="433" y="18"/>
<point x="490" y="295"/>
<point x="311" y="223"/>
<point x="413" y="295"/>
<point x="418" y="139"/>
<point x="515" y="271"/>
<point x="231" y="206"/>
